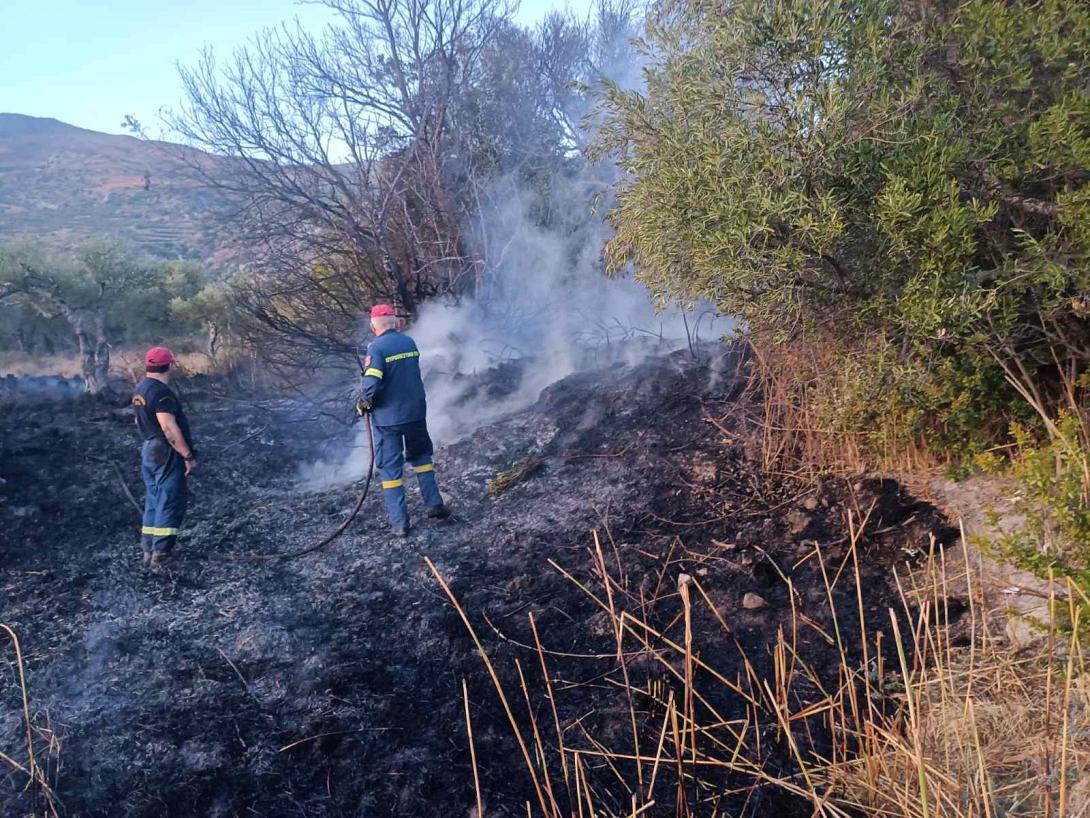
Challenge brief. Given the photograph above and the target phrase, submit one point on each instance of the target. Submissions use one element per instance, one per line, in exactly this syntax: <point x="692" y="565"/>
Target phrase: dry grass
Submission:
<point x="43" y="798"/>
<point x="805" y="393"/>
<point x="127" y="361"/>
<point x="961" y="726"/>
<point x="981" y="729"/>
<point x="520" y="472"/>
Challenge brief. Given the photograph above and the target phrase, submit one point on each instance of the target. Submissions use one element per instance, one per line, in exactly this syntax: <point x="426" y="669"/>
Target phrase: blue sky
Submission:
<point x="90" y="62"/>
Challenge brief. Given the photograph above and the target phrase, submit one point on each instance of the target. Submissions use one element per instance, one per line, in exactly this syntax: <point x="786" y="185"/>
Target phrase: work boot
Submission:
<point x="147" y="559"/>
<point x="440" y="512"/>
<point x="158" y="561"/>
<point x="402" y="533"/>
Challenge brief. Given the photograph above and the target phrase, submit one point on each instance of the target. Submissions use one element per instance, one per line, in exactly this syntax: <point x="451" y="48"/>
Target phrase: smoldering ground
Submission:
<point x="544" y="310"/>
<point x="332" y="685"/>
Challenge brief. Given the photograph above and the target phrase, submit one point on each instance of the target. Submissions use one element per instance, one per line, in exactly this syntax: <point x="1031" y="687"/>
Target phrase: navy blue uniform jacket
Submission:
<point x="392" y="382"/>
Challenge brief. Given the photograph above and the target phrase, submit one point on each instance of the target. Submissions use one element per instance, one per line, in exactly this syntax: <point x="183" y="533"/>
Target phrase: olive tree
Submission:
<point x="88" y="290"/>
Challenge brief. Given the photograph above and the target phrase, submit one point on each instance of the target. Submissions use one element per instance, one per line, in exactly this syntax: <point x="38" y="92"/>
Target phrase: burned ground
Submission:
<point x="331" y="685"/>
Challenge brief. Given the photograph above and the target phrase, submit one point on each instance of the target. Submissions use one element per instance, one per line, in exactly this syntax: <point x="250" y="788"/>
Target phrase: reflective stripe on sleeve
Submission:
<point x="392" y="484"/>
<point x="159" y="532"/>
<point x="402" y="356"/>
<point x="424" y="468"/>
<point x="373" y="372"/>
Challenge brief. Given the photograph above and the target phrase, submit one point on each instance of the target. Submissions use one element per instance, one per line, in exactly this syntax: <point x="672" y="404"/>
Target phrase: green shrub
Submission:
<point x="905" y="182"/>
<point x="1054" y="482"/>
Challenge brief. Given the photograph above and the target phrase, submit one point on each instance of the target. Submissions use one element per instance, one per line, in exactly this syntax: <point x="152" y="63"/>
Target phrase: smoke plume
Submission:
<point x="544" y="307"/>
<point x="547" y="310"/>
<point x="547" y="304"/>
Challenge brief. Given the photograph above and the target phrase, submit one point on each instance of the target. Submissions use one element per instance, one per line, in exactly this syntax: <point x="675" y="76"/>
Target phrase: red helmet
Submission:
<point x="379" y="310"/>
<point x="159" y="356"/>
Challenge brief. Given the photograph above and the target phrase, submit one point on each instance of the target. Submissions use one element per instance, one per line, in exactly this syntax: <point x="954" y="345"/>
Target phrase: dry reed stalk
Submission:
<point x="472" y="752"/>
<point x="32" y="764"/>
<point x="681" y="800"/>
<point x="690" y="716"/>
<point x="855" y="532"/>
<point x="958" y="733"/>
<point x="609" y="757"/>
<point x="577" y="766"/>
<point x="495" y="681"/>
<point x="658" y="750"/>
<point x="978" y="729"/>
<point x="35" y="775"/>
<point x="540" y="747"/>
<point x="697" y="661"/>
<point x="552" y="704"/>
<point x="618" y="635"/>
<point x="590" y="798"/>
<point x="913" y="706"/>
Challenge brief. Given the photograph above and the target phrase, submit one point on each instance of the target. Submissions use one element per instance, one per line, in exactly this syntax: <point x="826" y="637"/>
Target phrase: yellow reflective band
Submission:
<point x="374" y="372"/>
<point x="402" y="356"/>
<point x="392" y="484"/>
<point x="424" y="468"/>
<point x="159" y="532"/>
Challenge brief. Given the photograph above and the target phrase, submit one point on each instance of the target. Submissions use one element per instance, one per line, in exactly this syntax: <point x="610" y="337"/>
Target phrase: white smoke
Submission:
<point x="546" y="300"/>
<point x="543" y="297"/>
<point x="548" y="303"/>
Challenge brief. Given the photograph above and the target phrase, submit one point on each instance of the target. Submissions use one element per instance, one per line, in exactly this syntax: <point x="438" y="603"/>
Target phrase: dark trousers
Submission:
<point x="165" y="495"/>
<point x="394" y="445"/>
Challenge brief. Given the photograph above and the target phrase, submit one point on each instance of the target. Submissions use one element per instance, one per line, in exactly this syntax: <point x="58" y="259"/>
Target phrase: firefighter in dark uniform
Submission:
<point x="166" y="457"/>
<point x="393" y="395"/>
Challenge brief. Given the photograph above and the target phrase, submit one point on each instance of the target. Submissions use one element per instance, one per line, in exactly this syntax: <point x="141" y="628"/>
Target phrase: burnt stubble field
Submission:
<point x="332" y="685"/>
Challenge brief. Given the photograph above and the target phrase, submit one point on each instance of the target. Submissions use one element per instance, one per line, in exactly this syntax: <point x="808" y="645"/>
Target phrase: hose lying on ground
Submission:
<point x="310" y="549"/>
<point x="302" y="552"/>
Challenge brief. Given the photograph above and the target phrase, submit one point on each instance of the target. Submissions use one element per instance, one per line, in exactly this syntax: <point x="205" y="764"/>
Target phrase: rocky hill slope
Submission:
<point x="65" y="184"/>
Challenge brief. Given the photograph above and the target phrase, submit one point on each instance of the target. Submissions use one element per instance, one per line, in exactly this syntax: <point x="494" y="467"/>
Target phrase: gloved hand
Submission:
<point x="363" y="407"/>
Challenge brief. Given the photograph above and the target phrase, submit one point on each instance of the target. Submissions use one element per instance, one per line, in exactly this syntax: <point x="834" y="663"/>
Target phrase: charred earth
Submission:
<point x="332" y="685"/>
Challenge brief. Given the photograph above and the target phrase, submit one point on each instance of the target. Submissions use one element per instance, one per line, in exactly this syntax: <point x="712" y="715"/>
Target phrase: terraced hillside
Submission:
<point x="65" y="184"/>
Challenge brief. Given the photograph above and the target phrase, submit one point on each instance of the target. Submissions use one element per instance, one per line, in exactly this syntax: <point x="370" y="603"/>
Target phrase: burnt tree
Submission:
<point x="334" y="151"/>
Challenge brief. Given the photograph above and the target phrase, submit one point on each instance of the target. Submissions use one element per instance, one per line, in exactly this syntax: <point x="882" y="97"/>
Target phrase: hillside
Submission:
<point x="65" y="184"/>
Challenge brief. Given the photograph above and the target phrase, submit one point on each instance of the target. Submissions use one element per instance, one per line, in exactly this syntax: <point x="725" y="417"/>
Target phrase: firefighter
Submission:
<point x="393" y="395"/>
<point x="166" y="457"/>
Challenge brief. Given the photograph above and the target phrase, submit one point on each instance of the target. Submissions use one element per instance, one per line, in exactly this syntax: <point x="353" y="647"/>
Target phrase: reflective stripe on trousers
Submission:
<point x="394" y="445"/>
<point x="165" y="495"/>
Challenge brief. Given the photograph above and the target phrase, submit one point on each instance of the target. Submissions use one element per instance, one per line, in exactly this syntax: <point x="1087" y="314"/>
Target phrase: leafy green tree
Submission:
<point x="25" y="330"/>
<point x="90" y="291"/>
<point x="907" y="180"/>
<point x="211" y="306"/>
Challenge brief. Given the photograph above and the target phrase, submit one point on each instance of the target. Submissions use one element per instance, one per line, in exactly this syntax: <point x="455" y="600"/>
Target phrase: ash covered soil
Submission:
<point x="332" y="685"/>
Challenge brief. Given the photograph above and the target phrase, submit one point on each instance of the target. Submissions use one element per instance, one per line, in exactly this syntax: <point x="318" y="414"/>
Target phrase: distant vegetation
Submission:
<point x="364" y="163"/>
<point x="85" y="302"/>
<point x="66" y="185"/>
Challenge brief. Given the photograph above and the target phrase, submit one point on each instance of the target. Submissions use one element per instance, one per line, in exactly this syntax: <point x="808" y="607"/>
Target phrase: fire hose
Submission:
<point x="347" y="521"/>
<point x="330" y="537"/>
<point x="302" y="552"/>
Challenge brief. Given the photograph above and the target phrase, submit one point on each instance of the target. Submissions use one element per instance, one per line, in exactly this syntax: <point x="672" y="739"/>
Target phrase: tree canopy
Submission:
<point x="361" y="158"/>
<point x="905" y="181"/>
<point x="95" y="297"/>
